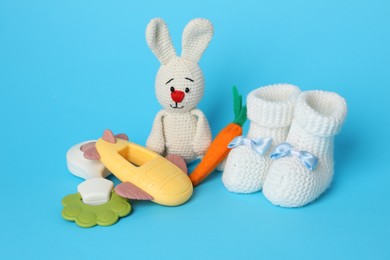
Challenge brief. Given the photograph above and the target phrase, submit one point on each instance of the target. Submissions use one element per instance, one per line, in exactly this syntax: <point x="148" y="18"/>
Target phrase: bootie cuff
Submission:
<point x="320" y="113"/>
<point x="272" y="106"/>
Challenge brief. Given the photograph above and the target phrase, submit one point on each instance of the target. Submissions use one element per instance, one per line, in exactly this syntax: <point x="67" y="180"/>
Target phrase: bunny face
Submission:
<point x="179" y="85"/>
<point x="179" y="81"/>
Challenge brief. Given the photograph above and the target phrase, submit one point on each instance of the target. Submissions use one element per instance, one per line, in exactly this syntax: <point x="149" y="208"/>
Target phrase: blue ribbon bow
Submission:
<point x="286" y="149"/>
<point x="259" y="145"/>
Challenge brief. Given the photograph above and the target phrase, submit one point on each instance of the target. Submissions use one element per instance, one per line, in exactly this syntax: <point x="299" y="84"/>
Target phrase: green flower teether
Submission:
<point x="86" y="216"/>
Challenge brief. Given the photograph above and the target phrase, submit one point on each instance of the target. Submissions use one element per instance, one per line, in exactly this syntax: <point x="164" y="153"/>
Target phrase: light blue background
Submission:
<point x="69" y="69"/>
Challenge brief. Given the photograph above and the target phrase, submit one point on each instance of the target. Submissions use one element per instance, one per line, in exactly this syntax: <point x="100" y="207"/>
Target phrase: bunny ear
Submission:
<point x="159" y="41"/>
<point x="196" y="37"/>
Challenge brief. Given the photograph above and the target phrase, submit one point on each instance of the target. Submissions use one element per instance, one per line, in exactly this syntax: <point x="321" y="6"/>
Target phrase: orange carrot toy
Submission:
<point x="218" y="149"/>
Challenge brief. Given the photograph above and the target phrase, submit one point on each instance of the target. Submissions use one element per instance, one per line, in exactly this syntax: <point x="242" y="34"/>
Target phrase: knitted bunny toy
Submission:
<point x="179" y="128"/>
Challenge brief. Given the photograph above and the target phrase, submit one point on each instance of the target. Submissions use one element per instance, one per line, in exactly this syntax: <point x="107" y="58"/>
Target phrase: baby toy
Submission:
<point x="145" y="174"/>
<point x="219" y="148"/>
<point x="180" y="128"/>
<point x="96" y="203"/>
<point x="83" y="167"/>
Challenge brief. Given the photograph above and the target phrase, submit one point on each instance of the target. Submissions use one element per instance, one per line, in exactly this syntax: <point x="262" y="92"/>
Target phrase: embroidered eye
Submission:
<point x="187" y="90"/>
<point x="172" y="89"/>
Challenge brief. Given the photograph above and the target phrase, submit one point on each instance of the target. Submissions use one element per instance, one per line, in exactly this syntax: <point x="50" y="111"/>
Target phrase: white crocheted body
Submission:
<point x="185" y="134"/>
<point x="319" y="116"/>
<point x="270" y="111"/>
<point x="179" y="131"/>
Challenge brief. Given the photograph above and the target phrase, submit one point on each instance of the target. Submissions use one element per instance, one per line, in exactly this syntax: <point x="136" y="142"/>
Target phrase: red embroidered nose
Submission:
<point x="177" y="96"/>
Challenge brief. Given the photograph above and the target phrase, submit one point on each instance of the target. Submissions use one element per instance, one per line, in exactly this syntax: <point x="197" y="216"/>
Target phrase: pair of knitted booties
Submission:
<point x="288" y="151"/>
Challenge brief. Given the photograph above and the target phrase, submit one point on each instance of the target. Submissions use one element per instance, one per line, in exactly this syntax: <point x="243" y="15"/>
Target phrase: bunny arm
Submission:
<point x="156" y="140"/>
<point x="202" y="137"/>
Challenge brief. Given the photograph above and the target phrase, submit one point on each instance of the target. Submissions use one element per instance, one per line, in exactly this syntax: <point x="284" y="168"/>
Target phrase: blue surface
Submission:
<point x="70" y="69"/>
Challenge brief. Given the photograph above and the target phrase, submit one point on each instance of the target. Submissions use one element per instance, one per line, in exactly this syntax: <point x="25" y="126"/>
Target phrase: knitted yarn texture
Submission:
<point x="270" y="111"/>
<point x="319" y="116"/>
<point x="179" y="128"/>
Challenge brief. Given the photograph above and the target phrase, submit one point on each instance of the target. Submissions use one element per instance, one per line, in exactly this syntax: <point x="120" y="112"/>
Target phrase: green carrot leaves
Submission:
<point x="239" y="110"/>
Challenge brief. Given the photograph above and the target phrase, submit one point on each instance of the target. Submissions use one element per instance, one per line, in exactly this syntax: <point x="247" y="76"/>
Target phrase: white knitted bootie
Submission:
<point x="303" y="165"/>
<point x="270" y="111"/>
